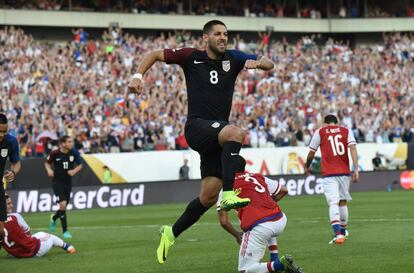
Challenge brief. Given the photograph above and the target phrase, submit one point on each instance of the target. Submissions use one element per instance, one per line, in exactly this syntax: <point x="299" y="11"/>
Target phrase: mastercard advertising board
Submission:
<point x="407" y="180"/>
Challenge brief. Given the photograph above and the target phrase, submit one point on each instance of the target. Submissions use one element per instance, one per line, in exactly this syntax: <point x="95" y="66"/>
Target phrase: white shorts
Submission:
<point x="336" y="188"/>
<point x="255" y="242"/>
<point x="46" y="243"/>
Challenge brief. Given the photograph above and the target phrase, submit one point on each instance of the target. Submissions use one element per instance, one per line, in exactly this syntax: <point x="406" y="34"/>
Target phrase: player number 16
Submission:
<point x="337" y="146"/>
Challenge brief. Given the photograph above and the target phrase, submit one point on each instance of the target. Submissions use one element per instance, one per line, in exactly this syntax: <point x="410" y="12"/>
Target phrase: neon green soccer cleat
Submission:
<point x="52" y="224"/>
<point x="230" y="201"/>
<point x="167" y="241"/>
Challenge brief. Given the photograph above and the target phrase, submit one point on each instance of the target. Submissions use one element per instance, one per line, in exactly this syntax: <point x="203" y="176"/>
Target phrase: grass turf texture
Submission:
<point x="125" y="239"/>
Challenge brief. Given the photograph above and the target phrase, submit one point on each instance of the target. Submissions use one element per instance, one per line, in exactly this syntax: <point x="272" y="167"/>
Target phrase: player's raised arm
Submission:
<point x="135" y="85"/>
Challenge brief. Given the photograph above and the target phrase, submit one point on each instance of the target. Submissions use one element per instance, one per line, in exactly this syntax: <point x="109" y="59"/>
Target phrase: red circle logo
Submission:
<point x="407" y="180"/>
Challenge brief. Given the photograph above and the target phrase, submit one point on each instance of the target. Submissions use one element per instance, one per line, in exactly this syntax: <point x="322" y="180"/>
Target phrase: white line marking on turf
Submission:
<point x="304" y="221"/>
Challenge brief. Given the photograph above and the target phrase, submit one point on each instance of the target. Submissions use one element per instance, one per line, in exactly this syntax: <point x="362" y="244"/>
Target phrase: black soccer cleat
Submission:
<point x="290" y="267"/>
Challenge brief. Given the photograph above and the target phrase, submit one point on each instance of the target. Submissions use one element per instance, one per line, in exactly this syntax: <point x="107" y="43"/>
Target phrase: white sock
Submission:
<point x="343" y="212"/>
<point x="57" y="241"/>
<point x="334" y="218"/>
<point x="334" y="213"/>
<point x="260" y="268"/>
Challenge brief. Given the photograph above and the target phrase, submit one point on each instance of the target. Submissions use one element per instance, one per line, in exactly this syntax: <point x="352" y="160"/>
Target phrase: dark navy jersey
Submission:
<point x="9" y="148"/>
<point x="63" y="162"/>
<point x="210" y="83"/>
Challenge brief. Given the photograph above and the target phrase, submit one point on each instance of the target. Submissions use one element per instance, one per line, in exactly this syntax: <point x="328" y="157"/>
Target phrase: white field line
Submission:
<point x="302" y="221"/>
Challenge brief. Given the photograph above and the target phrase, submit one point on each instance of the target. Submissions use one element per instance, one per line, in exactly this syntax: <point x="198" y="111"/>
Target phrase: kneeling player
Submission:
<point x="18" y="241"/>
<point x="262" y="221"/>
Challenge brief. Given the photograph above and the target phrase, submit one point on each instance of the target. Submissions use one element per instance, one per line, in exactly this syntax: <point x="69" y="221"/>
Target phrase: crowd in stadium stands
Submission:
<point x="79" y="88"/>
<point x="265" y="8"/>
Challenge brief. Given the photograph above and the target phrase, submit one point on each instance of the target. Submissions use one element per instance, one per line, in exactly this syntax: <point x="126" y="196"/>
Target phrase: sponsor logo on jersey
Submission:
<point x="198" y="62"/>
<point x="215" y="125"/>
<point x="4" y="152"/>
<point x="71" y="158"/>
<point x="226" y="66"/>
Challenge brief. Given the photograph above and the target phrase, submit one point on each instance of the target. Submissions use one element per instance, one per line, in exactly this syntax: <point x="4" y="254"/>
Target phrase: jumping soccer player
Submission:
<point x="9" y="148"/>
<point x="210" y="78"/>
<point x="66" y="162"/>
<point x="18" y="241"/>
<point x="334" y="141"/>
<point x="262" y="221"/>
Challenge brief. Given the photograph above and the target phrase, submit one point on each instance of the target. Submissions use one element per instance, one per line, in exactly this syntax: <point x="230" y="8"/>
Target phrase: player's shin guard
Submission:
<point x="191" y="215"/>
<point x="63" y="220"/>
<point x="229" y="162"/>
<point x="343" y="212"/>
<point x="334" y="218"/>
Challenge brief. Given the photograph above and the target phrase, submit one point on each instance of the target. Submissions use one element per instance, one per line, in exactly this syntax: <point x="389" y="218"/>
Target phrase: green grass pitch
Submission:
<point x="124" y="240"/>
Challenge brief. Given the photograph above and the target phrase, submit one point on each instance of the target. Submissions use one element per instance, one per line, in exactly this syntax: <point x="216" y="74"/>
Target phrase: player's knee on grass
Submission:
<point x="231" y="133"/>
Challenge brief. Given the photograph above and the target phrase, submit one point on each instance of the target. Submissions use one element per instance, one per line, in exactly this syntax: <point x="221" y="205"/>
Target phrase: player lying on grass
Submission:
<point x="18" y="241"/>
<point x="262" y="221"/>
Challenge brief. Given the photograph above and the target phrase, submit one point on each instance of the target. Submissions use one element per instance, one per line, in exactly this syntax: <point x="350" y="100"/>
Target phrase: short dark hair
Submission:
<point x="210" y="24"/>
<point x="330" y="119"/>
<point x="63" y="139"/>
<point x="240" y="164"/>
<point x="6" y="196"/>
<point x="3" y="118"/>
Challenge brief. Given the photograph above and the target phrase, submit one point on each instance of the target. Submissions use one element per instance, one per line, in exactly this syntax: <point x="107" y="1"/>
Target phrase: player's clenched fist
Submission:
<point x="9" y="176"/>
<point x="135" y="85"/>
<point x="251" y="64"/>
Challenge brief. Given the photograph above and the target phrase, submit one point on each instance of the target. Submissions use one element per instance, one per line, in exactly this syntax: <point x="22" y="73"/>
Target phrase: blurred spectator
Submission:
<point x="183" y="174"/>
<point x="107" y="175"/>
<point x="377" y="162"/>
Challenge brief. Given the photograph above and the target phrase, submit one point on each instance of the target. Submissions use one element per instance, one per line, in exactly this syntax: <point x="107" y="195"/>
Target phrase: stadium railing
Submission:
<point x="156" y="21"/>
